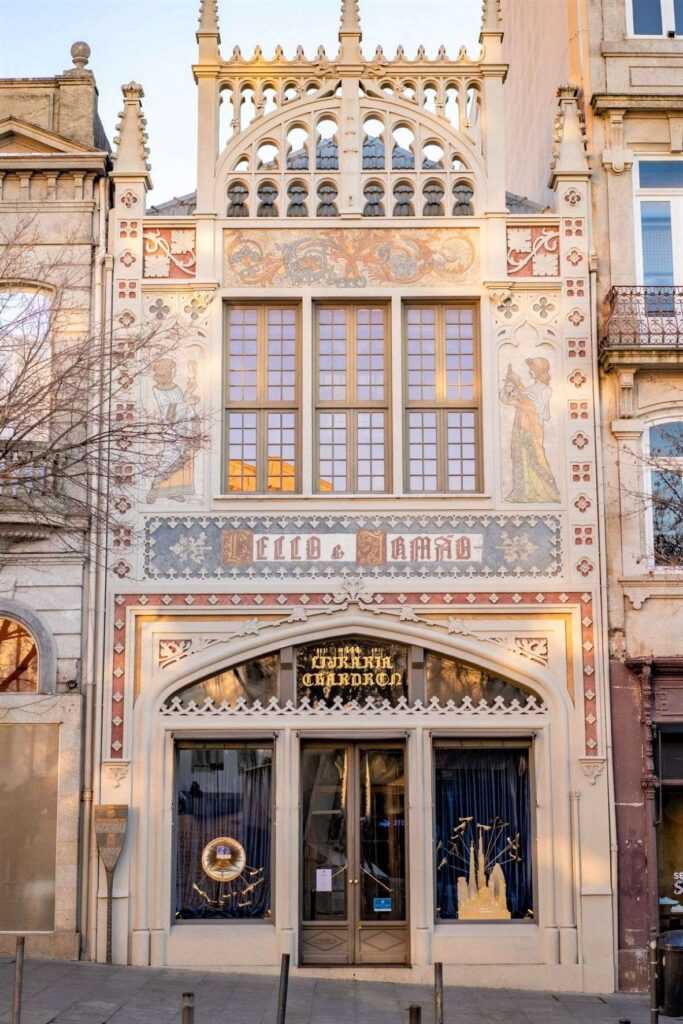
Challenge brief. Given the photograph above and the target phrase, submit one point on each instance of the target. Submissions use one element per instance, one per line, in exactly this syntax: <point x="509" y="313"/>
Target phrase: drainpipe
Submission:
<point x="602" y="548"/>
<point x="92" y="630"/>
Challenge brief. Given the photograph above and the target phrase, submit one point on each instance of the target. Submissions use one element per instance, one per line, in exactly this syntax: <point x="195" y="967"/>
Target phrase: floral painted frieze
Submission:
<point x="169" y="253"/>
<point x="533" y="251"/>
<point x="350" y="257"/>
<point x="322" y="547"/>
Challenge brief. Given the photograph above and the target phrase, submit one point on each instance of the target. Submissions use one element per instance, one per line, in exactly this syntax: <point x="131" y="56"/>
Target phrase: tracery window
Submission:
<point x="665" y="467"/>
<point x="18" y="658"/>
<point x="442" y="398"/>
<point x="262" y="399"/>
<point x="352" y="399"/>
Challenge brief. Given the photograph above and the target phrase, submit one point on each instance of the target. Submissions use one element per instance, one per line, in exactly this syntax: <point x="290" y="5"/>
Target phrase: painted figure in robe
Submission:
<point x="532" y="477"/>
<point x="174" y="475"/>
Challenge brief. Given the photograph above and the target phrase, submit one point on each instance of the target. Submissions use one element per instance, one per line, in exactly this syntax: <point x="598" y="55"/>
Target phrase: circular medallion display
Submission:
<point x="224" y="859"/>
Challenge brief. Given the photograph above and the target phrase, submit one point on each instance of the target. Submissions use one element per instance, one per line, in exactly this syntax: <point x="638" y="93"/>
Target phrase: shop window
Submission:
<point x="352" y="399"/>
<point x="656" y="17"/>
<point x="352" y="668"/>
<point x="261" y="397"/>
<point x="224" y="814"/>
<point x="448" y="679"/>
<point x="18" y="658"/>
<point x="483" y="832"/>
<point x="670" y="826"/>
<point x="253" y="680"/>
<point x="666" y="493"/>
<point x="442" y="395"/>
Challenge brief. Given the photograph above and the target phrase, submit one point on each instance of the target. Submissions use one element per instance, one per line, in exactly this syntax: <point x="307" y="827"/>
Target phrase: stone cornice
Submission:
<point x="641" y="102"/>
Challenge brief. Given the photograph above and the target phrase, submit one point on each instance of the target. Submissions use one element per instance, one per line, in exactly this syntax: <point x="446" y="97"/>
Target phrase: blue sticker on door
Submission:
<point x="382" y="905"/>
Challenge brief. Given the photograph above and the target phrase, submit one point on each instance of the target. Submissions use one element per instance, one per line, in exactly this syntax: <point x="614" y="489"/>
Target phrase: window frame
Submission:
<point x="35" y="655"/>
<point x="674" y="196"/>
<point x="352" y="406"/>
<point x="262" y="406"/>
<point x="190" y="741"/>
<point x="442" y="406"/>
<point x="527" y="743"/>
<point x="670" y="464"/>
<point x="668" y="22"/>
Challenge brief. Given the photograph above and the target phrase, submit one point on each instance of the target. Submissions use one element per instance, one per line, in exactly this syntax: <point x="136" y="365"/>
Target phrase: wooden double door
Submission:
<point x="354" y="905"/>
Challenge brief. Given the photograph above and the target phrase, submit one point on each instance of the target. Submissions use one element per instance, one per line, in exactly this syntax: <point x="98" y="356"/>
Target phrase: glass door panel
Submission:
<point x="325" y="800"/>
<point x="382" y="836"/>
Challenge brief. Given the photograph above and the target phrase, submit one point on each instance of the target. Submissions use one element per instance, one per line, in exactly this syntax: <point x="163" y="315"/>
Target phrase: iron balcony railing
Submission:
<point x="644" y="317"/>
<point x="28" y="469"/>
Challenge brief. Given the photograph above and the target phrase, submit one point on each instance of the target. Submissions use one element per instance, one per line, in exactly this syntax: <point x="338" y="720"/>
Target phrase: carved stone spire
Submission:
<point x="131" y="137"/>
<point x="208" y="34"/>
<point x="350" y="34"/>
<point x="491" y="18"/>
<point x="570" y="157"/>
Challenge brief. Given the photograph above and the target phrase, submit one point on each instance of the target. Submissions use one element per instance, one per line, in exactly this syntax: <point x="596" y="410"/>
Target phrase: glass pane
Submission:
<point x="658" y="265"/>
<point x="281" y="355"/>
<point x="462" y="451"/>
<point x="241" y="446"/>
<point x="678" y="16"/>
<point x="223" y="834"/>
<point x="382" y="836"/>
<point x="242" y="355"/>
<point x="370" y="341"/>
<point x="667" y="517"/>
<point x="482" y="834"/>
<point x="282" y="451"/>
<point x="449" y="679"/>
<point x="324" y="775"/>
<point x="29" y="759"/>
<point x="354" y="668"/>
<point x="253" y="680"/>
<point x="332" y="452"/>
<point x="670" y="853"/>
<point x="332" y="355"/>
<point x="671" y="745"/>
<point x="647" y="17"/>
<point x="661" y="173"/>
<point x="667" y="440"/>
<point x="422" y="451"/>
<point x="371" y="452"/>
<point x="459" y="355"/>
<point x="421" y="354"/>
<point x="18" y="659"/>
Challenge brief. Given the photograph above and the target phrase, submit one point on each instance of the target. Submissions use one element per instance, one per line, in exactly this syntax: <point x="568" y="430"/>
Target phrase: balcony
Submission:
<point x="28" y="472"/>
<point x="31" y="484"/>
<point x="644" y="327"/>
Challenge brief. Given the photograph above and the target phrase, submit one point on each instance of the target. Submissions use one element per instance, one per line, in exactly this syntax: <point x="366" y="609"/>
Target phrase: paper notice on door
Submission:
<point x="323" y="880"/>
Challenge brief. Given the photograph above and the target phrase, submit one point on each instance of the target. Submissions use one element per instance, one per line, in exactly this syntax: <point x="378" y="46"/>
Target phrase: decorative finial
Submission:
<point x="208" y="34"/>
<point x="491" y="18"/>
<point x="570" y="158"/>
<point x="350" y="34"/>
<point x="131" y="137"/>
<point x="80" y="54"/>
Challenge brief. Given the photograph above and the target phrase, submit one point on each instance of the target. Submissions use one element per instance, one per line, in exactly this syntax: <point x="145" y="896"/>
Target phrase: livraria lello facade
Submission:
<point x="348" y="665"/>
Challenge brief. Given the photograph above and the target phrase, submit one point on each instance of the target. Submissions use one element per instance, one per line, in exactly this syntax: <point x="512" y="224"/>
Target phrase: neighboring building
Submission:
<point x="627" y="58"/>
<point x="398" y="503"/>
<point x="53" y="200"/>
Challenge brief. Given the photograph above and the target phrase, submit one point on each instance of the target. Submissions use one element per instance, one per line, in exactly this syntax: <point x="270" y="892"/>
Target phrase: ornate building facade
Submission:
<point x="627" y="58"/>
<point x="354" y="691"/>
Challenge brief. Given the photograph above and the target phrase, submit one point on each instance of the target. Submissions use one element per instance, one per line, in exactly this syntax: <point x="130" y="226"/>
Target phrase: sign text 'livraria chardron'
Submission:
<point x="368" y="670"/>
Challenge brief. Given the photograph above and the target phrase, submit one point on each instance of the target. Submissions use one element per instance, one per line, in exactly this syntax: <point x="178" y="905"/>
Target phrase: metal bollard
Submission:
<point x="284" y="986"/>
<point x="18" y="980"/>
<point x="187" y="1013"/>
<point x="415" y="1014"/>
<point x="438" y="993"/>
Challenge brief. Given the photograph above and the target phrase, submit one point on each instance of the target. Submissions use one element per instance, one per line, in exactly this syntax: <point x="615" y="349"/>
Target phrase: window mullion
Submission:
<point x="352" y="451"/>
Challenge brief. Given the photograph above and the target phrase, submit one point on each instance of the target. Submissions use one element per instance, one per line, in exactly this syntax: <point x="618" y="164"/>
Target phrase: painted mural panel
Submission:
<point x="350" y="257"/>
<point x="530" y="416"/>
<point x="326" y="546"/>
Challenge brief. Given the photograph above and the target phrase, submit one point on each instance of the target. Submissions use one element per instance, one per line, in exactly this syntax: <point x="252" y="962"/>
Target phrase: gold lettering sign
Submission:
<point x="353" y="670"/>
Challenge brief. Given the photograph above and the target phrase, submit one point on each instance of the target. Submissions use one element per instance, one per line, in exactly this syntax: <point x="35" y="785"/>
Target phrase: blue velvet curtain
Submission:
<point x="223" y="791"/>
<point x="490" y="787"/>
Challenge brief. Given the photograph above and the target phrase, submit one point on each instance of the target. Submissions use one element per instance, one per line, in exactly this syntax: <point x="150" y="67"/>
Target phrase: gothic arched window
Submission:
<point x="238" y="200"/>
<point x="374" y="194"/>
<point x="298" y="194"/>
<point x="267" y="195"/>
<point x="18" y="658"/>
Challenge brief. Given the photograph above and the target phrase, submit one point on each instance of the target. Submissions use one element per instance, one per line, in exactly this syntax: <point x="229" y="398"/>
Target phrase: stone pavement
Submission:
<point x="81" y="993"/>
